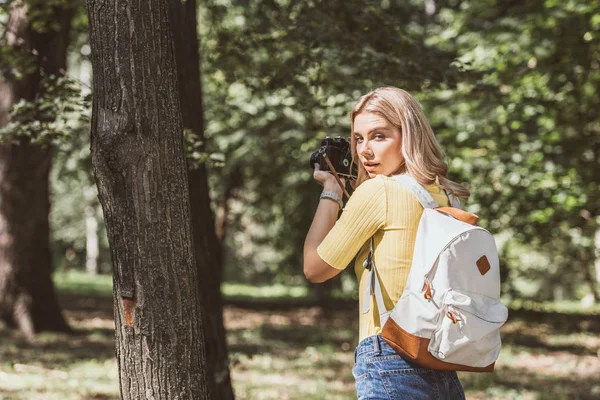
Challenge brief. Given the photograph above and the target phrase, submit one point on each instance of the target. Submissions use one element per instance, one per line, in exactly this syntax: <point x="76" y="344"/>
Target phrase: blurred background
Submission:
<point x="510" y="89"/>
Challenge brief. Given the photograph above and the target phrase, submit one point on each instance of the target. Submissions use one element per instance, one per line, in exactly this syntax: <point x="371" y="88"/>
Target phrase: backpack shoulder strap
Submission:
<point x="418" y="190"/>
<point x="373" y="287"/>
<point x="454" y="201"/>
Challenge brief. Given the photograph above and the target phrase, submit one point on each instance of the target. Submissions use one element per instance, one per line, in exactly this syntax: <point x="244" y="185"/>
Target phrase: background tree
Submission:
<point x="140" y="169"/>
<point x="207" y="247"/>
<point x="33" y="59"/>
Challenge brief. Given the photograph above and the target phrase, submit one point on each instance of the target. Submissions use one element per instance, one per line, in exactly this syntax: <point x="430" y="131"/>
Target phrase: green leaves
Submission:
<point x="51" y="116"/>
<point x="279" y="76"/>
<point x="527" y="99"/>
<point x="509" y="89"/>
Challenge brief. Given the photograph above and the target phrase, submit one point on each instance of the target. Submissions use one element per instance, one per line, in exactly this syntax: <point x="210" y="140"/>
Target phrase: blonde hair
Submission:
<point x="423" y="156"/>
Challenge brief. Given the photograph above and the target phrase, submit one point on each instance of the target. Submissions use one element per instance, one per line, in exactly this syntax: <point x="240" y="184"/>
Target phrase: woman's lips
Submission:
<point x="371" y="167"/>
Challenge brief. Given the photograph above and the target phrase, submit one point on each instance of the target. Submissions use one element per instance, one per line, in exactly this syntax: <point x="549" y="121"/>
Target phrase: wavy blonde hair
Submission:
<point x="423" y="156"/>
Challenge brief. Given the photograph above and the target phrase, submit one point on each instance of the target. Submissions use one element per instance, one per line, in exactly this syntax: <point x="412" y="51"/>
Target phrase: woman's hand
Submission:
<point x="328" y="181"/>
<point x="315" y="268"/>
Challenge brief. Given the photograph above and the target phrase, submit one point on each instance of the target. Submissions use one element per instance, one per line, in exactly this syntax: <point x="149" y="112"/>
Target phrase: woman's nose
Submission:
<point x="365" y="150"/>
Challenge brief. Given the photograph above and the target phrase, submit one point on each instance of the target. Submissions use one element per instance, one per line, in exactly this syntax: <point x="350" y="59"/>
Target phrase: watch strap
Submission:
<point x="333" y="196"/>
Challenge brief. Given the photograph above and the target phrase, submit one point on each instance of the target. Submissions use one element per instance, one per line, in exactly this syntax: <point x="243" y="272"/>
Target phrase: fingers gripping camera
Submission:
<point x="338" y="152"/>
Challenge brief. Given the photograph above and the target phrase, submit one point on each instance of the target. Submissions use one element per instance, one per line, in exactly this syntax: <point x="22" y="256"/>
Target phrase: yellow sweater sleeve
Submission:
<point x="364" y="214"/>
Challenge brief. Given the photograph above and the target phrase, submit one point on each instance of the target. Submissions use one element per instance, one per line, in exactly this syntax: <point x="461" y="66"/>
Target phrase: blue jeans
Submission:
<point x="380" y="373"/>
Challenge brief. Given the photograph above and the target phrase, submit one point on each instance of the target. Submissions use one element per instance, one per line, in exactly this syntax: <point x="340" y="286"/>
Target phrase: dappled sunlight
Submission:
<point x="238" y="318"/>
<point x="60" y="366"/>
<point x="175" y="177"/>
<point x="561" y="364"/>
<point x="511" y="382"/>
<point x="540" y="361"/>
<point x="303" y="353"/>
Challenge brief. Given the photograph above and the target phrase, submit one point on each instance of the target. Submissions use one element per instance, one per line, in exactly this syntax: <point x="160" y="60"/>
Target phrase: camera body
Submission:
<point x="339" y="153"/>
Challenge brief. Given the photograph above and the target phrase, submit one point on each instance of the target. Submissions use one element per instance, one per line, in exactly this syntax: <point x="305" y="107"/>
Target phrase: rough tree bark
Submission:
<point x="206" y="246"/>
<point x="27" y="297"/>
<point x="140" y="169"/>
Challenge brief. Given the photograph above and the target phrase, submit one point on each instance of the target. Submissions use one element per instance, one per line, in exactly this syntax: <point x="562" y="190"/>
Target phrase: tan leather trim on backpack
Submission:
<point x="483" y="265"/>
<point x="415" y="348"/>
<point x="459" y="214"/>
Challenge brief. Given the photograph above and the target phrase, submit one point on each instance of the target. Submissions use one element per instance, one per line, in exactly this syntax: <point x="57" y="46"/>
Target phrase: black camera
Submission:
<point x="339" y="153"/>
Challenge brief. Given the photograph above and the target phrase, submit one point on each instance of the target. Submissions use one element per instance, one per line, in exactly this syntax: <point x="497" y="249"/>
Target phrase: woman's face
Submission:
<point x="378" y="144"/>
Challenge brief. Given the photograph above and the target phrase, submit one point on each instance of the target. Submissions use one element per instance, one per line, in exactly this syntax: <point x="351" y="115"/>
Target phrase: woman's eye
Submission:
<point x="358" y="139"/>
<point x="379" y="136"/>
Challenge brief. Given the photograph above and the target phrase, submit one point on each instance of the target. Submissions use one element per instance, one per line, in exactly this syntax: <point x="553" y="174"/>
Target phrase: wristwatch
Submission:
<point x="333" y="196"/>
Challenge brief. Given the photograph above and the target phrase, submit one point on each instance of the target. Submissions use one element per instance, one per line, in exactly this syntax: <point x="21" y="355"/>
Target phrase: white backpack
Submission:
<point x="449" y="314"/>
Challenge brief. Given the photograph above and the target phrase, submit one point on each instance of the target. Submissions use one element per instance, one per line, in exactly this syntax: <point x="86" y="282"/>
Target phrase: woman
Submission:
<point x="390" y="136"/>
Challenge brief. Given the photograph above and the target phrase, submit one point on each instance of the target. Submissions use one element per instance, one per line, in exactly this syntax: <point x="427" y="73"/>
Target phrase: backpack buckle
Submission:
<point x="427" y="294"/>
<point x="367" y="263"/>
<point x="452" y="317"/>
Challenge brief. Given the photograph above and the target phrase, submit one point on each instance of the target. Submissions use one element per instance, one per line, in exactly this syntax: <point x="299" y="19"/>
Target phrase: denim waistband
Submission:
<point x="371" y="344"/>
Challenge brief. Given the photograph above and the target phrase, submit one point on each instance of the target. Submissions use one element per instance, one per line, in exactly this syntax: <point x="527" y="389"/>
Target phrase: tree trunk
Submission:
<point x="589" y="261"/>
<point x="27" y="297"/>
<point x="206" y="246"/>
<point x="596" y="265"/>
<point x="221" y="223"/>
<point x="92" y="246"/>
<point x="140" y="169"/>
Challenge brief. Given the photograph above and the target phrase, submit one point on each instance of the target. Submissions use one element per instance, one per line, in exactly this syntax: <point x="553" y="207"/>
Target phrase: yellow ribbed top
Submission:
<point x="383" y="208"/>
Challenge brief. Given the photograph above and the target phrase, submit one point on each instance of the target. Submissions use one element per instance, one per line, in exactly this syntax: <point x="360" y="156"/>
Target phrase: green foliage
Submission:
<point x="515" y="110"/>
<point x="74" y="197"/>
<point x="56" y="115"/>
<point x="45" y="118"/>
<point x="49" y="118"/>
<point x="524" y="130"/>
<point x="195" y="154"/>
<point x="278" y="77"/>
<point x="510" y="89"/>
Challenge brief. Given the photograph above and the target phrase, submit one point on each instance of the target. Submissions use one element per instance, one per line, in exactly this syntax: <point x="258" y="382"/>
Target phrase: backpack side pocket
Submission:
<point x="468" y="330"/>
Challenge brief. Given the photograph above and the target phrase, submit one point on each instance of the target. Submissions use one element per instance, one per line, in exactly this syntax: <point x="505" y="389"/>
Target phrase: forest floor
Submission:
<point x="301" y="353"/>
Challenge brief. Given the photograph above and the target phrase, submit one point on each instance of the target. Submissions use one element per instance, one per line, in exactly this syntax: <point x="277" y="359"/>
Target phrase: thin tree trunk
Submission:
<point x="92" y="247"/>
<point x="140" y="169"/>
<point x="597" y="264"/>
<point x="222" y="218"/>
<point x="589" y="262"/>
<point x="206" y="246"/>
<point x="27" y="297"/>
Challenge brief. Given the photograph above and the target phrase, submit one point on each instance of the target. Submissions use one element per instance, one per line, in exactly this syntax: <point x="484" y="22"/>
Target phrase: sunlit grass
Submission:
<point x="81" y="283"/>
<point x="261" y="292"/>
<point x="563" y="306"/>
<point x="291" y="355"/>
<point x="86" y="379"/>
<point x="59" y="366"/>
